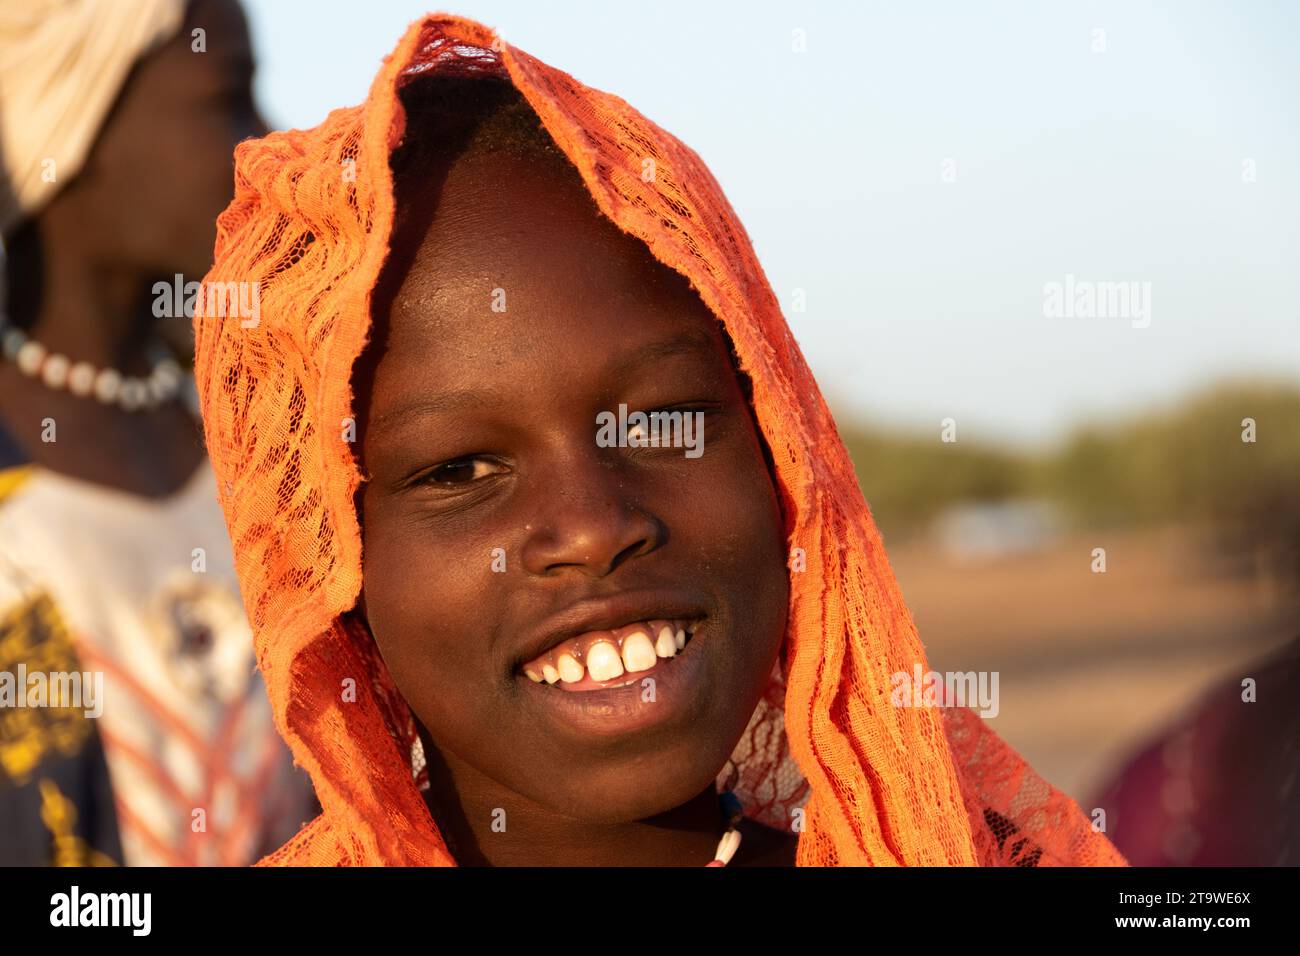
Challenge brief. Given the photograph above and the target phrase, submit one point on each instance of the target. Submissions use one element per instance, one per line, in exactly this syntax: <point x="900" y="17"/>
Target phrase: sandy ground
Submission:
<point x="1090" y="665"/>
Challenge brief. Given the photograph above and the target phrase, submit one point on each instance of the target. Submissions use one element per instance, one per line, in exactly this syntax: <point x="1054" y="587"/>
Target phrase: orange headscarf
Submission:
<point x="865" y="782"/>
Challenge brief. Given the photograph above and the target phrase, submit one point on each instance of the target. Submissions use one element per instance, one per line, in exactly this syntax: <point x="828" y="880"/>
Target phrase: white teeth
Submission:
<point x="603" y="662"/>
<point x="570" y="670"/>
<point x="638" y="653"/>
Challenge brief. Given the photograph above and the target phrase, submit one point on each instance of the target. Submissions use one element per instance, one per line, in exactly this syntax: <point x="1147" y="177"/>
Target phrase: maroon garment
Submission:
<point x="1222" y="787"/>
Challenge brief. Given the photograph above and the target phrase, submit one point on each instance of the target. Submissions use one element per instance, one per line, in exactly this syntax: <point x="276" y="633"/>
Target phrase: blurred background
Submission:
<point x="913" y="177"/>
<point x="1103" y="507"/>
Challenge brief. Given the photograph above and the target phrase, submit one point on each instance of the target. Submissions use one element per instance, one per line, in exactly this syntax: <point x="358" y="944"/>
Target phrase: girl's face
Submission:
<point x="496" y="528"/>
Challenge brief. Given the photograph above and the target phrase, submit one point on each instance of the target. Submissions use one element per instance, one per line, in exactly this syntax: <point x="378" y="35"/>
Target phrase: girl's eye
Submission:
<point x="644" y="433"/>
<point x="463" y="471"/>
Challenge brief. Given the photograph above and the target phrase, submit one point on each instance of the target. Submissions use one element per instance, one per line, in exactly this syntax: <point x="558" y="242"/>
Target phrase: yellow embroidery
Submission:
<point x="34" y="633"/>
<point x="12" y="478"/>
<point x="60" y="817"/>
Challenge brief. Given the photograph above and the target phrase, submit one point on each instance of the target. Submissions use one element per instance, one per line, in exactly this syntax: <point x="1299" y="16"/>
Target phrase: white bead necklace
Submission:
<point x="107" y="385"/>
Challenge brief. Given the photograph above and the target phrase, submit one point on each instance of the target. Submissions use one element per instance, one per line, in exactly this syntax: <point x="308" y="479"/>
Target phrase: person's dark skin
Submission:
<point x="510" y="461"/>
<point x="141" y="210"/>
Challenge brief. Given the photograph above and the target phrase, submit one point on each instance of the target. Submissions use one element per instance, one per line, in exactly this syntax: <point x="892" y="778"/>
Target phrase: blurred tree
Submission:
<point x="1187" y="463"/>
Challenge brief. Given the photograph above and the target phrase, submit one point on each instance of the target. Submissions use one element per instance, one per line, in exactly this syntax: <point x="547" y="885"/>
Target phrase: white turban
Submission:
<point x="62" y="65"/>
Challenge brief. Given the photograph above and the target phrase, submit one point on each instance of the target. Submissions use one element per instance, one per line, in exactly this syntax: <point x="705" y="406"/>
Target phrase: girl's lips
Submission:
<point x="644" y="649"/>
<point x="673" y="692"/>
<point x="601" y="659"/>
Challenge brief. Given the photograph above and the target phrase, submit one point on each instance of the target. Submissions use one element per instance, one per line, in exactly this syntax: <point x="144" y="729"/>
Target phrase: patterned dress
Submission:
<point x="134" y="727"/>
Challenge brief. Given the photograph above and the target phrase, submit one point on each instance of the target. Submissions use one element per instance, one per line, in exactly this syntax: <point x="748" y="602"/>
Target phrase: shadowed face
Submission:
<point x="496" y="527"/>
<point x="161" y="168"/>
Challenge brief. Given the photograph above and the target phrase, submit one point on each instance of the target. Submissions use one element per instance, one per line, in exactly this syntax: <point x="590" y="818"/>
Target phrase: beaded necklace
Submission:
<point x="107" y="385"/>
<point x="730" y="841"/>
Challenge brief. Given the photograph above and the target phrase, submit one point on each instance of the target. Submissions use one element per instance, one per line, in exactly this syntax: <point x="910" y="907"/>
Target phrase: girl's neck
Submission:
<point x="482" y="828"/>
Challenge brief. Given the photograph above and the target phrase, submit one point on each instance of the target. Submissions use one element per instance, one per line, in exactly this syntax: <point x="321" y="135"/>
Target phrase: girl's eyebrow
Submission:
<point x="691" y="341"/>
<point x="457" y="400"/>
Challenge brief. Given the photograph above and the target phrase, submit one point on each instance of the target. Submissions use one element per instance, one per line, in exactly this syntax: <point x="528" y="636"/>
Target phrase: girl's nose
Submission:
<point x="589" y="525"/>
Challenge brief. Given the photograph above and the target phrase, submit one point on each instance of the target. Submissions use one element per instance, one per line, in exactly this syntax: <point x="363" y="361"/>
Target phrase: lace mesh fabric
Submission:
<point x="870" y="783"/>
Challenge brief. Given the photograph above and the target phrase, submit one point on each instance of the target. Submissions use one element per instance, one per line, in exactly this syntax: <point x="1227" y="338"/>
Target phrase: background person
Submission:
<point x="117" y="122"/>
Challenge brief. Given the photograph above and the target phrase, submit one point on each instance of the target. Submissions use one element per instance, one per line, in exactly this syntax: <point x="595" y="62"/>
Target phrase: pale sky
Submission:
<point x="925" y="297"/>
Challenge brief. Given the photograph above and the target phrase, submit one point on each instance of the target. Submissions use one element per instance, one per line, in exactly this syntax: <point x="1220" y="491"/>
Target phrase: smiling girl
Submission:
<point x="495" y="640"/>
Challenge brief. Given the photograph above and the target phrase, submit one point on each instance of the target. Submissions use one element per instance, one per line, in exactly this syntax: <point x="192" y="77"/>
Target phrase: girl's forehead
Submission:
<point x="513" y="275"/>
<point x="567" y="322"/>
<point x="494" y="207"/>
<point x="513" y="238"/>
<point x="546" y="319"/>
